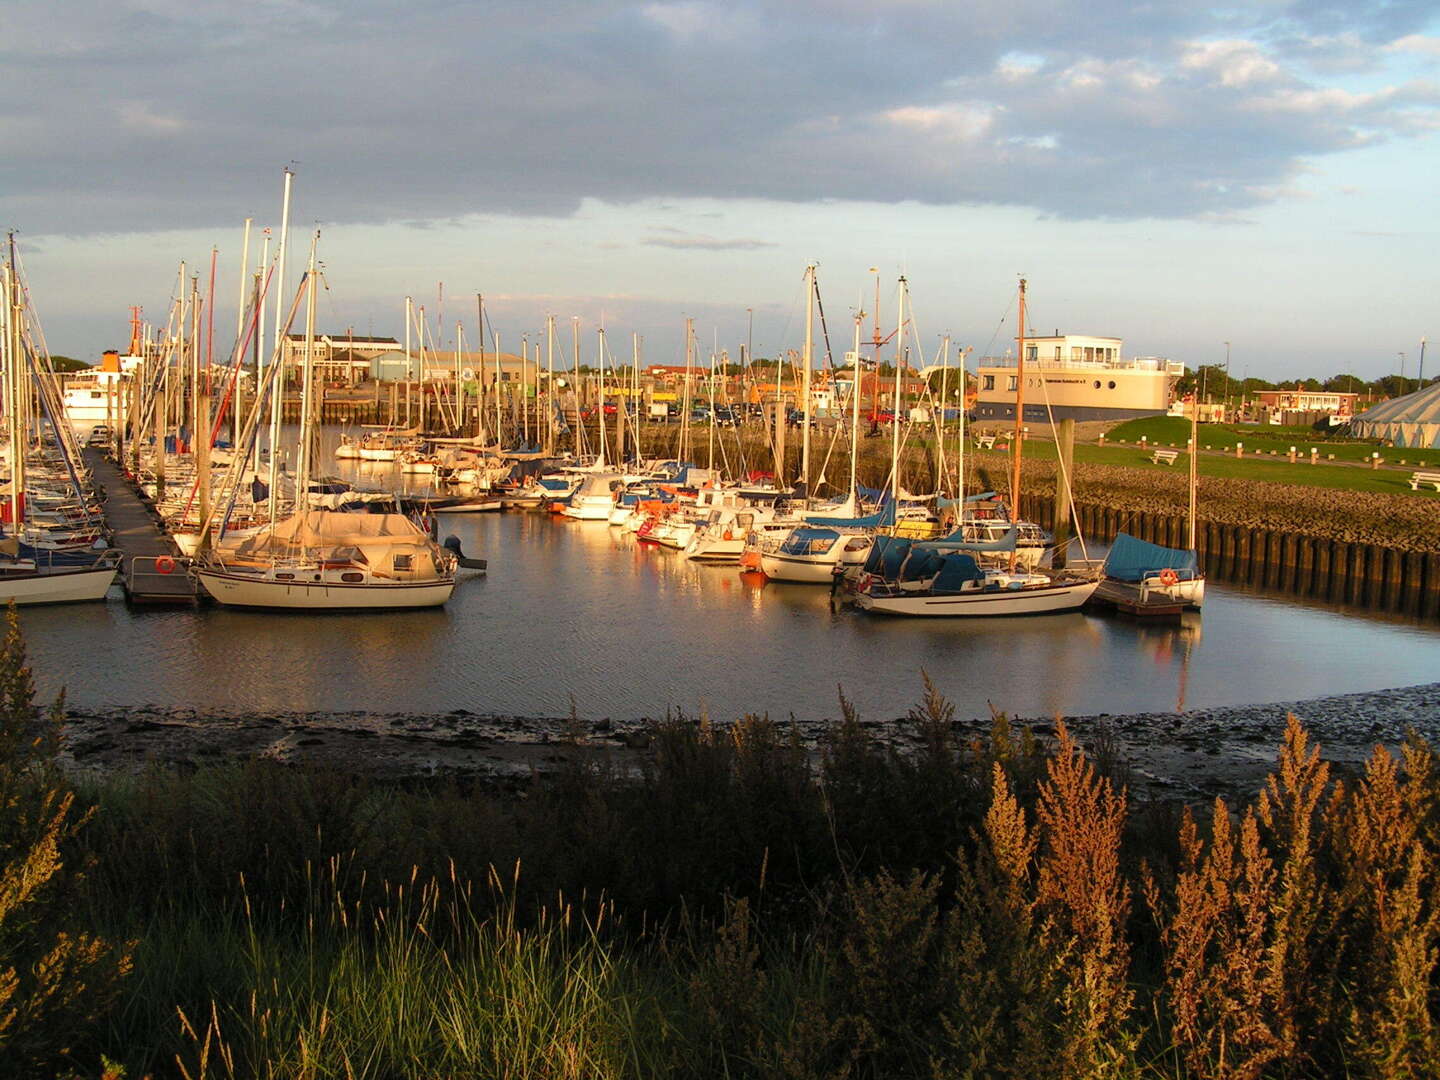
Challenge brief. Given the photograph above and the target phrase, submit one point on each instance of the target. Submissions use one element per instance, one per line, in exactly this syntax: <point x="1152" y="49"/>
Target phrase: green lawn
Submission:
<point x="1276" y="470"/>
<point x="1173" y="430"/>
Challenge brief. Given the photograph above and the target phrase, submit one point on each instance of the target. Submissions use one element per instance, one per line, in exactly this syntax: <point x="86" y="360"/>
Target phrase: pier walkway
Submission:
<point x="138" y="535"/>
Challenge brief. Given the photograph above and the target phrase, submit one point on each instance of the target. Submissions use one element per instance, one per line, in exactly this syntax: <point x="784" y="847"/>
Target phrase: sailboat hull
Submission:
<point x="800" y="569"/>
<point x="58" y="587"/>
<point x="1046" y="600"/>
<point x="246" y="590"/>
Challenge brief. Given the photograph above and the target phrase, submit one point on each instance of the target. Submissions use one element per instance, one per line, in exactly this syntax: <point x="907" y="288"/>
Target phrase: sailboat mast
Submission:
<point x="277" y="392"/>
<point x="805" y="380"/>
<point x="1019" y="417"/>
<point x="244" y="285"/>
<point x="855" y="413"/>
<point x="550" y="384"/>
<point x="633" y="396"/>
<point x="895" y="403"/>
<point x="685" y="398"/>
<point x="1194" y="468"/>
<point x="600" y="397"/>
<point x="307" y="387"/>
<point x="14" y="386"/>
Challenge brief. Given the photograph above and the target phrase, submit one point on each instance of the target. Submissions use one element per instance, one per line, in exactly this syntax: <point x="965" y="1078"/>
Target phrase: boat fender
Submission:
<point x="165" y="565"/>
<point x="1169" y="577"/>
<point x="729" y="535"/>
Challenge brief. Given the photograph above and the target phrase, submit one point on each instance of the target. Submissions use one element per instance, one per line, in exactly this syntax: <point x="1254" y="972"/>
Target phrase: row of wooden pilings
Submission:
<point x="1362" y="575"/>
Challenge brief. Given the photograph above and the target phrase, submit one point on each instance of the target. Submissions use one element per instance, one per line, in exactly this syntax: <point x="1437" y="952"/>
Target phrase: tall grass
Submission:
<point x="739" y="907"/>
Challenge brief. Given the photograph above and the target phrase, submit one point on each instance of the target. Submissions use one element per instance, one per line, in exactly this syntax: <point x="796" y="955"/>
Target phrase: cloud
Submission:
<point x="438" y="110"/>
<point x="144" y="118"/>
<point x="682" y="241"/>
<point x="1420" y="44"/>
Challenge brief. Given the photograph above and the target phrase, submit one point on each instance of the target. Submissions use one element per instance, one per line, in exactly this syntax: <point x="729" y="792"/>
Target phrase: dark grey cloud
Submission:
<point x="130" y="115"/>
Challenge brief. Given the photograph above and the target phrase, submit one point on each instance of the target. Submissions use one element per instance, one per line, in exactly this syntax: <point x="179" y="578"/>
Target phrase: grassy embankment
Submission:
<point x="991" y="908"/>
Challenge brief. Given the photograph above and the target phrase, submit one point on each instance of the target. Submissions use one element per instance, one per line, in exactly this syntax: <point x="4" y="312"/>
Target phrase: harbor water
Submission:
<point x="578" y="615"/>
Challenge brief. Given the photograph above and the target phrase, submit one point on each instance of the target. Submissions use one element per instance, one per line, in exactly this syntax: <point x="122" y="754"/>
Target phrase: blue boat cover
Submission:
<point x="1131" y="558"/>
<point x="955" y="572"/>
<point x="886" y="555"/>
<point x="803" y="541"/>
<point x="956" y="542"/>
<point x="883" y="517"/>
<point x="943" y="502"/>
<point x="921" y="565"/>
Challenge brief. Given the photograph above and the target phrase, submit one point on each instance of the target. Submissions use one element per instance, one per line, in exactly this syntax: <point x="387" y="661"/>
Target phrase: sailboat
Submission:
<point x="943" y="577"/>
<point x="818" y="547"/>
<point x="36" y="568"/>
<point x="320" y="559"/>
<point x="1140" y="575"/>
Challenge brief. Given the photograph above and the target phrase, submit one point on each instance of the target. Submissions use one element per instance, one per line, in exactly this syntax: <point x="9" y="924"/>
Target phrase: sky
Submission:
<point x="1177" y="175"/>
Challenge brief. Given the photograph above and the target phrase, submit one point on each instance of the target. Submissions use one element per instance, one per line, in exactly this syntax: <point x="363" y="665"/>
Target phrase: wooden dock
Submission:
<point x="1130" y="600"/>
<point x="151" y="569"/>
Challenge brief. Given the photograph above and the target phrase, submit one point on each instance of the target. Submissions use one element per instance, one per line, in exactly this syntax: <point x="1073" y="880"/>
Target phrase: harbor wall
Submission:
<point x="1370" y="576"/>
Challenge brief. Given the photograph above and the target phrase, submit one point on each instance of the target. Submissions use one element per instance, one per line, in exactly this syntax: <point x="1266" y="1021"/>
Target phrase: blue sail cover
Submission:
<point x="957" y="542"/>
<point x="943" y="502"/>
<point x="886" y="555"/>
<point x="1131" y="558"/>
<point x="885" y="516"/>
<point x="955" y="572"/>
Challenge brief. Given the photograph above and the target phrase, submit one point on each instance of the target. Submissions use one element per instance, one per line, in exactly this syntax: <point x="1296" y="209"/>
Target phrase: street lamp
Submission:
<point x="1402" y="373"/>
<point x="1225" y="409"/>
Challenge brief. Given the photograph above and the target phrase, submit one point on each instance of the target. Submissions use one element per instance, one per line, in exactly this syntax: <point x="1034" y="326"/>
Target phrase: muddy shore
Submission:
<point x="1191" y="755"/>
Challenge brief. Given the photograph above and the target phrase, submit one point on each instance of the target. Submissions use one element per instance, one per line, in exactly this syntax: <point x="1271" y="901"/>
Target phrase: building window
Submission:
<point x="1032" y="352"/>
<point x="989" y="382"/>
<point x="1014" y="383"/>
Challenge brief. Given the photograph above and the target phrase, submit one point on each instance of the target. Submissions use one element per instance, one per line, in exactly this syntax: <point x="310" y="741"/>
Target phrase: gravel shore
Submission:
<point x="1191" y="755"/>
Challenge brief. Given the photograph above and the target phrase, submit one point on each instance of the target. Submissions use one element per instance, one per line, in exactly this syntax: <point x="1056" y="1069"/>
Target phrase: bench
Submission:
<point x="985" y="442"/>
<point x="1431" y="478"/>
<point x="1164" y="457"/>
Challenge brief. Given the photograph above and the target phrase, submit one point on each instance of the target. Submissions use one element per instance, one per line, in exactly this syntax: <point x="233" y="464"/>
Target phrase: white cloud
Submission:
<point x="965" y="122"/>
<point x="687" y="18"/>
<point x="140" y="116"/>
<point x="1423" y="44"/>
<point x="1233" y="63"/>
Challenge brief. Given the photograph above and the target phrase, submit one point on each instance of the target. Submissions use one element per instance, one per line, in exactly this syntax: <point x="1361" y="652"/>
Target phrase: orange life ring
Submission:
<point x="165" y="565"/>
<point x="1169" y="577"/>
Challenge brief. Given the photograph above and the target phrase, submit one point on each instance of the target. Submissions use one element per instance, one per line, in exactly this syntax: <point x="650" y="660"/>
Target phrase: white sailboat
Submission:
<point x="942" y="578"/>
<point x="43" y="576"/>
<point x="319" y="560"/>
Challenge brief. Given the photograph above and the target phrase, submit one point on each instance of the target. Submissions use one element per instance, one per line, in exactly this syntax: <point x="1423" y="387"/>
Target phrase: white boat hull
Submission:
<point x="1044" y="600"/>
<point x="249" y="590"/>
<point x="800" y="569"/>
<point x="58" y="587"/>
<point x="589" y="510"/>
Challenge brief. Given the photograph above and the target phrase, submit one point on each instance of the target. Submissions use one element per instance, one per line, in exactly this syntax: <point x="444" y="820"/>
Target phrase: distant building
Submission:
<point x="1076" y="377"/>
<point x="1323" y="402"/>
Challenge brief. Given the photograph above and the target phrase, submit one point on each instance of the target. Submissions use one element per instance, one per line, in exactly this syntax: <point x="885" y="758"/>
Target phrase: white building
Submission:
<point x="1076" y="377"/>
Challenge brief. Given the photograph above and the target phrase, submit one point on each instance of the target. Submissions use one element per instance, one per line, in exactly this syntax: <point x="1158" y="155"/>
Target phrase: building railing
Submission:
<point x="1134" y="363"/>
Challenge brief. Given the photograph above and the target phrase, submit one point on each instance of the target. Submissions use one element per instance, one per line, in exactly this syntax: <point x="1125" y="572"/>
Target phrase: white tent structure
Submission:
<point x="1411" y="421"/>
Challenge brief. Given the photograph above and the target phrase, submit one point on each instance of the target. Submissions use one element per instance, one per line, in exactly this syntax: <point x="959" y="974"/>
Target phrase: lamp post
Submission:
<point x="1225" y="409"/>
<point x="1402" y="374"/>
